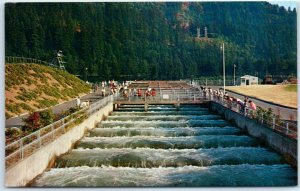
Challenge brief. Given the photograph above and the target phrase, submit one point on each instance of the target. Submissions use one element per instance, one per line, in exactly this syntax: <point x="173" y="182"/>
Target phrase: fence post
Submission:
<point x="52" y="130"/>
<point x="262" y="118"/>
<point x="39" y="138"/>
<point x="287" y="128"/>
<point x="63" y="125"/>
<point x="273" y="125"/>
<point x="21" y="149"/>
<point x="194" y="97"/>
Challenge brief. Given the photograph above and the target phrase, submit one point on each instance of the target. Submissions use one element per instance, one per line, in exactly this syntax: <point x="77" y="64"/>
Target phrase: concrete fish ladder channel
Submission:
<point x="164" y="147"/>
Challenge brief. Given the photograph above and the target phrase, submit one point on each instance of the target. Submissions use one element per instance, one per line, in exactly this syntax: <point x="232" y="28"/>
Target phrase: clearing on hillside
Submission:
<point x="280" y="94"/>
<point x="29" y="87"/>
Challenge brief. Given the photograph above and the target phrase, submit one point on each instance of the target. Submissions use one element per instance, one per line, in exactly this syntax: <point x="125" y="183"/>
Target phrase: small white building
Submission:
<point x="249" y="80"/>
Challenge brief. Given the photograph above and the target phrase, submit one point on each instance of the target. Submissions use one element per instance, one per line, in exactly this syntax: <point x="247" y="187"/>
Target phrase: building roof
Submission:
<point x="248" y="76"/>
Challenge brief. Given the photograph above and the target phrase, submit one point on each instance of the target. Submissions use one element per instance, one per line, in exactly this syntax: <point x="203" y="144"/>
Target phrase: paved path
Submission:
<point x="286" y="113"/>
<point x="92" y="97"/>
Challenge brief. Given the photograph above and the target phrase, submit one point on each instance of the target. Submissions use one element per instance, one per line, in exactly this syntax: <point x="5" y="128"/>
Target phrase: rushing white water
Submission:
<point x="194" y="142"/>
<point x="163" y="132"/>
<point x="165" y="147"/>
<point x="148" y="158"/>
<point x="219" y="175"/>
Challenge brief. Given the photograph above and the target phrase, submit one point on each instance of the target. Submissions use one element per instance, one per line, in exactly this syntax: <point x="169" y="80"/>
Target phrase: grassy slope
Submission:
<point x="29" y="87"/>
<point x="291" y="88"/>
<point x="281" y="94"/>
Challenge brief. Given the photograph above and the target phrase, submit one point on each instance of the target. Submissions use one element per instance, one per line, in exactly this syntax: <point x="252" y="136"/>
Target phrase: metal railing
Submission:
<point x="162" y="95"/>
<point x="99" y="104"/>
<point x="283" y="127"/>
<point x="15" y="59"/>
<point x="210" y="82"/>
<point x="24" y="147"/>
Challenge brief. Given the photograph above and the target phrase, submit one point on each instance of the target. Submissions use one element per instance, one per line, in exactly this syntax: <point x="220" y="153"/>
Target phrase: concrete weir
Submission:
<point x="26" y="170"/>
<point x="280" y="143"/>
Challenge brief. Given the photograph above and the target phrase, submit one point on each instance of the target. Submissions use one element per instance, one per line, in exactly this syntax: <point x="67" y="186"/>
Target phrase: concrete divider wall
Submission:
<point x="30" y="167"/>
<point x="280" y="143"/>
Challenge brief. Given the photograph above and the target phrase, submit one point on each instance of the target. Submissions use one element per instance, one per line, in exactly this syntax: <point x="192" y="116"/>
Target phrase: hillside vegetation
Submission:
<point x="29" y="87"/>
<point x="147" y="40"/>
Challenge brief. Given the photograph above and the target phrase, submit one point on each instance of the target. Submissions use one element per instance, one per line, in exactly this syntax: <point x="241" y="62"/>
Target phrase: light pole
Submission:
<point x="223" y="49"/>
<point x="86" y="74"/>
<point x="234" y="74"/>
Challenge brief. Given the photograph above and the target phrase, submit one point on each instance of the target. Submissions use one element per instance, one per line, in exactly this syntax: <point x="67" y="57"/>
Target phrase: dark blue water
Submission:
<point x="165" y="147"/>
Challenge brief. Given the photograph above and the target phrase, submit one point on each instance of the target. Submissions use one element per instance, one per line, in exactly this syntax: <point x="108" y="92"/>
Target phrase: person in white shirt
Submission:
<point x="78" y="101"/>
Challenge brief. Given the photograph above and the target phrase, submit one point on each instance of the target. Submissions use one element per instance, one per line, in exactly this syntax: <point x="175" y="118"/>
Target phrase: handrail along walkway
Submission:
<point x="280" y="126"/>
<point x="24" y="147"/>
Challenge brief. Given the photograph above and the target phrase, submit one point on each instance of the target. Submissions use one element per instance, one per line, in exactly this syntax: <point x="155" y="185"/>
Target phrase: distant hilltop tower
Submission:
<point x="205" y="32"/>
<point x="198" y="32"/>
<point x="57" y="61"/>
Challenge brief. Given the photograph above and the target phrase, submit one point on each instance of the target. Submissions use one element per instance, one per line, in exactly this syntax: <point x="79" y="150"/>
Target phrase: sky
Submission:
<point x="286" y="4"/>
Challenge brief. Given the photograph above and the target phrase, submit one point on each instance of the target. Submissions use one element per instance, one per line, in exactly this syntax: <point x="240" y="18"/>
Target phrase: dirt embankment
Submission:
<point x="29" y="87"/>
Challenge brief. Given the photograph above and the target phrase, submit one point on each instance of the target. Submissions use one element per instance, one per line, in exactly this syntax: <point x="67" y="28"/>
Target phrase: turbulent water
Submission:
<point x="164" y="147"/>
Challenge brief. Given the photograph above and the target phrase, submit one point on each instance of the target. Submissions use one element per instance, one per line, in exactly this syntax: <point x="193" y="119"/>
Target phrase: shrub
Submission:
<point x="46" y="117"/>
<point x="71" y="110"/>
<point x="32" y="122"/>
<point x="13" y="132"/>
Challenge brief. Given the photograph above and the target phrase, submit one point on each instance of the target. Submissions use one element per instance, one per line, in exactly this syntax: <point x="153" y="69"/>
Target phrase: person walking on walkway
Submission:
<point x="78" y="101"/>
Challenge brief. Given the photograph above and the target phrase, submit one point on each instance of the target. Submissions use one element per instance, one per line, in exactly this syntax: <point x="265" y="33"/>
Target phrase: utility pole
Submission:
<point x="223" y="49"/>
<point x="234" y="74"/>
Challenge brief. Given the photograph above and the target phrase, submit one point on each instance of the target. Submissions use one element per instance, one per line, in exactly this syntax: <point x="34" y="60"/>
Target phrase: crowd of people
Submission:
<point x="124" y="89"/>
<point x="110" y="87"/>
<point x="138" y="93"/>
<point x="245" y="106"/>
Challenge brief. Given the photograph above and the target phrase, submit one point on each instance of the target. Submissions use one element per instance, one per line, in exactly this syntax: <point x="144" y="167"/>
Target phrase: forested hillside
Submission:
<point x="155" y="40"/>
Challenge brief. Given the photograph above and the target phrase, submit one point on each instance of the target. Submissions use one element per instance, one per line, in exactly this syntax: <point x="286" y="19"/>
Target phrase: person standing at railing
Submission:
<point x="139" y="93"/>
<point x="221" y="96"/>
<point x="95" y="88"/>
<point x="229" y="102"/>
<point x="246" y="105"/>
<point x="206" y="93"/>
<point x="209" y="91"/>
<point x="217" y="95"/>
<point x="130" y="92"/>
<point x="153" y="93"/>
<point x="111" y="91"/>
<point x="252" y="108"/>
<point x="234" y="105"/>
<point x="103" y="92"/>
<point x="252" y="105"/>
<point x="241" y="106"/>
<point x="147" y="93"/>
<point x="134" y="92"/>
<point x="226" y="95"/>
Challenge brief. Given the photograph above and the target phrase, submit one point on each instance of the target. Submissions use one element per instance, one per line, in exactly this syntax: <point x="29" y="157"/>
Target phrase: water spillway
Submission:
<point x="166" y="147"/>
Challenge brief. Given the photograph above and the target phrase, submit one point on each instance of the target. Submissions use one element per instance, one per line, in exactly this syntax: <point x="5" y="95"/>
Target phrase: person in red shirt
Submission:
<point x="153" y="93"/>
<point x="139" y="92"/>
<point x="252" y="105"/>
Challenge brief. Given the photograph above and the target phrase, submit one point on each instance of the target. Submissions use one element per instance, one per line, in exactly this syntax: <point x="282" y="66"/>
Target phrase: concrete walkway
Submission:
<point x="92" y="97"/>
